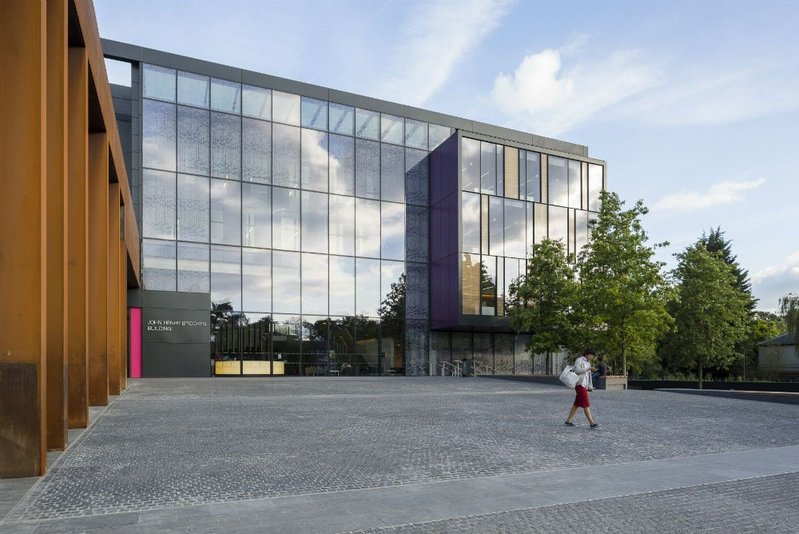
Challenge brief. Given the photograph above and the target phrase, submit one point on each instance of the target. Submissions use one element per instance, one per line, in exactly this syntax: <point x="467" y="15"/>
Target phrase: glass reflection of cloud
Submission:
<point x="367" y="230"/>
<point x="315" y="158"/>
<point x="393" y="231"/>
<point x="342" y="286"/>
<point x="314" y="284"/>
<point x="367" y="282"/>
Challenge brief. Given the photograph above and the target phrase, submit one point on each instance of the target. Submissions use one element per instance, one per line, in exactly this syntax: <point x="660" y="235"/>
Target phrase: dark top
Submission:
<point x="602" y="367"/>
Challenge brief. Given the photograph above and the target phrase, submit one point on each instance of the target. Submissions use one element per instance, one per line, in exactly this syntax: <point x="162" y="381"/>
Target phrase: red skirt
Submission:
<point x="581" y="397"/>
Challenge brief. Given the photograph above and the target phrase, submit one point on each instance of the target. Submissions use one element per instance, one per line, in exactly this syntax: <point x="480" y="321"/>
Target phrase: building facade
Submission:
<point x="69" y="242"/>
<point x="292" y="229"/>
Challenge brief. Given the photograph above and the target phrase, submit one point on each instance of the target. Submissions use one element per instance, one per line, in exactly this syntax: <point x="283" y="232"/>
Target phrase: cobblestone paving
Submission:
<point x="171" y="443"/>
<point x="761" y="505"/>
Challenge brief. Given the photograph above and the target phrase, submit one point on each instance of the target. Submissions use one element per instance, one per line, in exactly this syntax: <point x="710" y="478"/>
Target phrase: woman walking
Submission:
<point x="584" y="369"/>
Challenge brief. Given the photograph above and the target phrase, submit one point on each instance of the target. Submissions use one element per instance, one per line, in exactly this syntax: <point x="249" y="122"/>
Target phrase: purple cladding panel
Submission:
<point x="444" y="233"/>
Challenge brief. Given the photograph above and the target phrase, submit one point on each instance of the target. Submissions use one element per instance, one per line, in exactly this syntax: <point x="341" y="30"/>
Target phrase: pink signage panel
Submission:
<point x="135" y="343"/>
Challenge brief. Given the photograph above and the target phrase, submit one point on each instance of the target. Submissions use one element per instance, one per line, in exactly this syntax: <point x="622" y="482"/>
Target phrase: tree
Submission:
<point x="715" y="242"/>
<point x="622" y="288"/>
<point x="789" y="307"/>
<point x="542" y="300"/>
<point x="711" y="315"/>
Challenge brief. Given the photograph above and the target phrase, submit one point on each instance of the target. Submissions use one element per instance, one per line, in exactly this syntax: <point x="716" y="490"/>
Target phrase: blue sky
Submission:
<point x="693" y="104"/>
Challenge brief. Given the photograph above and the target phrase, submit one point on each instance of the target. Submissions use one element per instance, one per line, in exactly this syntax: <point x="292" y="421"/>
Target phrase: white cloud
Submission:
<point x="788" y="265"/>
<point x="437" y="35"/>
<point x="722" y="193"/>
<point x="774" y="282"/>
<point x="550" y="96"/>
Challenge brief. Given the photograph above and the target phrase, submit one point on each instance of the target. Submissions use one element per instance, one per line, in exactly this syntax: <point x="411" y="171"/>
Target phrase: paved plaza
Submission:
<point x="408" y="455"/>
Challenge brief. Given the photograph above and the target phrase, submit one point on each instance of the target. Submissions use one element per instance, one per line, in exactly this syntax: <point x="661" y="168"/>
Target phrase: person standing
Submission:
<point x="583" y="368"/>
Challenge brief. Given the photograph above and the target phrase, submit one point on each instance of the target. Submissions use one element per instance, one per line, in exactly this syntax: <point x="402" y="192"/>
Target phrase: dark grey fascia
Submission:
<point x="133" y="53"/>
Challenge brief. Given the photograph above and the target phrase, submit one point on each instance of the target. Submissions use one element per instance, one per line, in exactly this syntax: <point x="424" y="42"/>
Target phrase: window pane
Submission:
<point x="558" y="224"/>
<point x="533" y="176"/>
<point x="158" y="265"/>
<point x="256" y="158"/>
<point x="367" y="282"/>
<point x="314" y="160"/>
<point x="496" y="227"/>
<point x="417" y="177"/>
<point x="225" y="146"/>
<point x="488" y="168"/>
<point x="515" y="222"/>
<point x="314" y="222"/>
<point x="575" y="183"/>
<point x="286" y="282"/>
<point x="392" y="228"/>
<point x="415" y="134"/>
<point x="256" y="270"/>
<point x="342" y="118"/>
<point x="367" y="124"/>
<point x="314" y="113"/>
<point x="342" y="286"/>
<point x="286" y="218"/>
<point x="193" y="139"/>
<point x="159" y="137"/>
<point x="193" y="89"/>
<point x="541" y="230"/>
<point x="159" y="82"/>
<point x="500" y="170"/>
<point x="256" y="208"/>
<point x="342" y="225"/>
<point x="286" y="155"/>
<point x="158" y="204"/>
<point x="470" y="216"/>
<point x="367" y="229"/>
<point x="342" y="165"/>
<point x="226" y="276"/>
<point x="193" y="275"/>
<point x="488" y="286"/>
<point x="390" y="273"/>
<point x="470" y="284"/>
<point x="581" y="230"/>
<point x="595" y="183"/>
<point x="225" y="212"/>
<point x="470" y="172"/>
<point x="225" y="96"/>
<point x="193" y="208"/>
<point x="256" y="102"/>
<point x="392" y="173"/>
<point x="558" y="187"/>
<point x="367" y="169"/>
<point x="512" y="273"/>
<point x="438" y="134"/>
<point x="391" y="129"/>
<point x="286" y="108"/>
<point x="314" y="284"/>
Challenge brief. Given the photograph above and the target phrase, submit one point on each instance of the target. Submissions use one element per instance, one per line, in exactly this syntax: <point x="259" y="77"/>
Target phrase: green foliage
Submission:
<point x="715" y="242"/>
<point x="541" y="300"/>
<point x="789" y="307"/>
<point x="710" y="315"/>
<point x="622" y="290"/>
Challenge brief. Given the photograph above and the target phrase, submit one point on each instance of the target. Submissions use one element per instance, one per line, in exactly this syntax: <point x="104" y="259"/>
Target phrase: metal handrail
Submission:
<point x="450" y="369"/>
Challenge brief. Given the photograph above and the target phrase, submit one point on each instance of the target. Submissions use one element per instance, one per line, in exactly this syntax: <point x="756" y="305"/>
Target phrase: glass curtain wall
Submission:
<point x="510" y="200"/>
<point x="304" y="220"/>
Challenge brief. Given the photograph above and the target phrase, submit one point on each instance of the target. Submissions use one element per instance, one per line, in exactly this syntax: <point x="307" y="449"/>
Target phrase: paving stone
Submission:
<point x="761" y="505"/>
<point x="172" y="443"/>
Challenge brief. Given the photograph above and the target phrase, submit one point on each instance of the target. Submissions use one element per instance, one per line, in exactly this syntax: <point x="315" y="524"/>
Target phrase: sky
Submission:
<point x="694" y="105"/>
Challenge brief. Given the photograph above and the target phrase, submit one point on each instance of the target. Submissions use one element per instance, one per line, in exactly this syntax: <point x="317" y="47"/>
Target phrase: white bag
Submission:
<point x="569" y="377"/>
